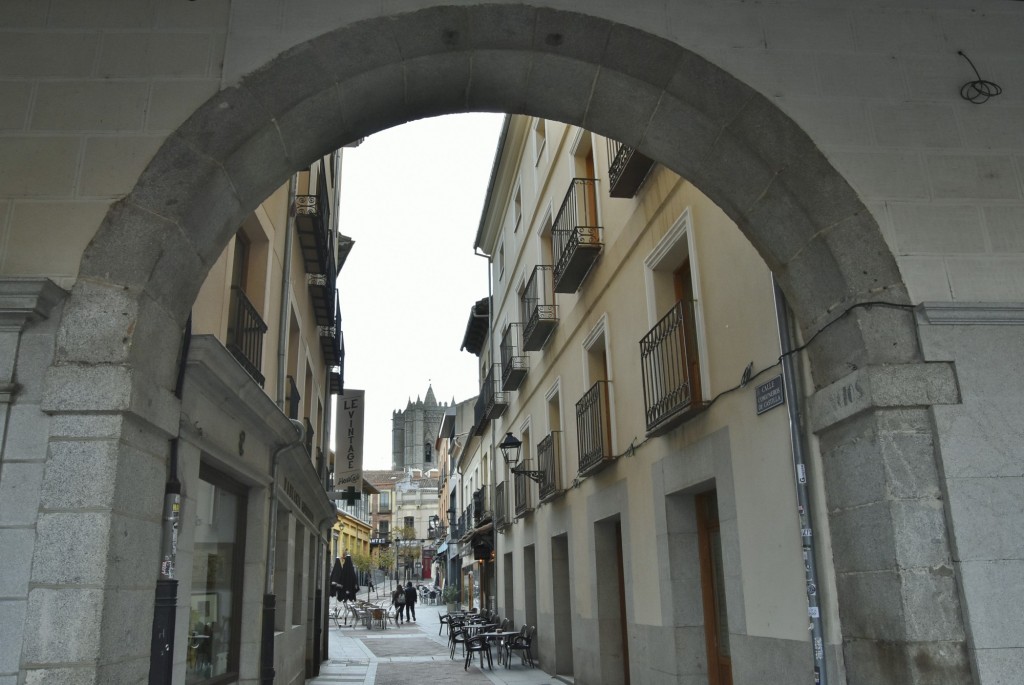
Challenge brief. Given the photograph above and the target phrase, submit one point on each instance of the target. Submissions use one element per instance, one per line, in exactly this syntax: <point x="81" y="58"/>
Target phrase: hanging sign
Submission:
<point x="348" y="458"/>
<point x="770" y="394"/>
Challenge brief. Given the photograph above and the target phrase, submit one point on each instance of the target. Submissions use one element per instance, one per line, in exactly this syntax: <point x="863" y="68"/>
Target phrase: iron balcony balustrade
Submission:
<point x="246" y="329"/>
<point x="466" y="523"/>
<point x="495" y="400"/>
<point x="538" y="309"/>
<point x="337" y="376"/>
<point x="317" y="245"/>
<point x="332" y="339"/>
<point x="310" y="435"/>
<point x="576" y="236"/>
<point x="627" y="169"/>
<point x="593" y="429"/>
<point x="668" y="359"/>
<point x="513" y="365"/>
<point x="483" y="500"/>
<point x="549" y="456"/>
<point x="501" y="506"/>
<point x="524" y="504"/>
<point x="293" y="399"/>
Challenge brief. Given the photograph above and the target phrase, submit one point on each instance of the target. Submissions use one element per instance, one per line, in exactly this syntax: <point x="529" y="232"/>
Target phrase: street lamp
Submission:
<point x="432" y="524"/>
<point x="511" y="446"/>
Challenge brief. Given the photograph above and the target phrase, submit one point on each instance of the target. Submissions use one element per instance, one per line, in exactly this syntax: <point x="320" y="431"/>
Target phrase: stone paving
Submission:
<point x="412" y="654"/>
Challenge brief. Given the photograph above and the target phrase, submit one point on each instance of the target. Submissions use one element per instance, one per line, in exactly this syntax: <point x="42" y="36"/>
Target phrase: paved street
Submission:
<point x="412" y="654"/>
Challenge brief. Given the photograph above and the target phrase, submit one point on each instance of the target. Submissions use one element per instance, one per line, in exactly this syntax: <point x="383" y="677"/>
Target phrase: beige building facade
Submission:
<point x="653" y="528"/>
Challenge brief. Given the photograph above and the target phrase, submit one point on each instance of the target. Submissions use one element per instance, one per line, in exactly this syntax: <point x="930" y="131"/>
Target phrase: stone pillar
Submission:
<point x="89" y="613"/>
<point x="899" y="601"/>
<point x="29" y="311"/>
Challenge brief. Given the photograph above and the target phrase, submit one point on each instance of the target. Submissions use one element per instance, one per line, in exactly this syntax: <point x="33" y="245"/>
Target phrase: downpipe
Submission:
<point x="267" y="671"/>
<point x="286" y="277"/>
<point x="793" y="406"/>
<point x="161" y="648"/>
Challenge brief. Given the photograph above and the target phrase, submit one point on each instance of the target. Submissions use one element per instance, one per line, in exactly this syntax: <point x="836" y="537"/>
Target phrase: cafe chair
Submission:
<point x="481" y="645"/>
<point x="521" y="643"/>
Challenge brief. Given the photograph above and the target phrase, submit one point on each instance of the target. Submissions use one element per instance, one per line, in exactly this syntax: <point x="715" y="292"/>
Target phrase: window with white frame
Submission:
<point x="671" y="354"/>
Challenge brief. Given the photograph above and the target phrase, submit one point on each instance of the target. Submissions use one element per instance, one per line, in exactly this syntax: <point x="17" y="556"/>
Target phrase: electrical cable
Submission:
<point x="979" y="91"/>
<point x="747" y="379"/>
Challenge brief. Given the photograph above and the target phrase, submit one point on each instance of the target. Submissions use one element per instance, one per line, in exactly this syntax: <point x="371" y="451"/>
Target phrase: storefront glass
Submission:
<point x="215" y="602"/>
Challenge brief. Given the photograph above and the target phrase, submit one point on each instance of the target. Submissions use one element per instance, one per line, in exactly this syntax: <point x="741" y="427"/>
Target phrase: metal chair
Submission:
<point x="521" y="643"/>
<point x="457" y="636"/>
<point x="481" y="645"/>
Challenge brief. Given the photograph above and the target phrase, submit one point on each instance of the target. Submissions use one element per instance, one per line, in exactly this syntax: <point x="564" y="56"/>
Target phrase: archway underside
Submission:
<point x="677" y="108"/>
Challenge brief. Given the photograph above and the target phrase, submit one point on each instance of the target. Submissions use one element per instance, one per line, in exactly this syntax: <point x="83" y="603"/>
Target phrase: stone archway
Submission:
<point x="117" y="345"/>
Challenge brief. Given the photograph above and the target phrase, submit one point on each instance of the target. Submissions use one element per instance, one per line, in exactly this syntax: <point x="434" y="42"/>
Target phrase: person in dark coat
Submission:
<point x="398" y="601"/>
<point x="410" y="602"/>
<point x="349" y="579"/>
<point x="336" y="576"/>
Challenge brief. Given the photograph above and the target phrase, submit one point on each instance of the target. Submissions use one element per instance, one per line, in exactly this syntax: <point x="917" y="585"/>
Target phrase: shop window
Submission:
<point x="215" y="604"/>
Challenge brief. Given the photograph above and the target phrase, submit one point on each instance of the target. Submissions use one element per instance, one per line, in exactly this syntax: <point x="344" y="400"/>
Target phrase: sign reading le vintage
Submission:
<point x="770" y="394"/>
<point x="348" y="465"/>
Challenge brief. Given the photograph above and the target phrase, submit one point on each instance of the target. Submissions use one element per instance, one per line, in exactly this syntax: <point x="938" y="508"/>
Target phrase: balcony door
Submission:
<point x="683" y="282"/>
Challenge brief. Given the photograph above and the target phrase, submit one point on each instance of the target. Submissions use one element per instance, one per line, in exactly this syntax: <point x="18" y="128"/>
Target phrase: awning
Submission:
<point x="443" y="548"/>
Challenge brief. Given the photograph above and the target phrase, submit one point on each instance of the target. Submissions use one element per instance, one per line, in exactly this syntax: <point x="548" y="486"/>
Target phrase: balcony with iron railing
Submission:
<point x="538" y="310"/>
<point x="576" y="236"/>
<point x="627" y="169"/>
<point x="246" y="329"/>
<point x="593" y="429"/>
<point x="524" y="502"/>
<point x="514" y="365"/>
<point x="466" y="522"/>
<point x="317" y="246"/>
<point x="483" y="503"/>
<point x="501" y="506"/>
<point x="670" y="370"/>
<point x="495" y="400"/>
<point x="549" y="456"/>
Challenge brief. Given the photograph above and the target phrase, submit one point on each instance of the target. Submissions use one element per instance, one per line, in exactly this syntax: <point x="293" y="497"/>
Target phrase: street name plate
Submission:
<point x="770" y="394"/>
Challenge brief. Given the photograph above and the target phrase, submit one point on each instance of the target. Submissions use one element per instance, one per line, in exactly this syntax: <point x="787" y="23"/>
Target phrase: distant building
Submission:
<point x="414" y="431"/>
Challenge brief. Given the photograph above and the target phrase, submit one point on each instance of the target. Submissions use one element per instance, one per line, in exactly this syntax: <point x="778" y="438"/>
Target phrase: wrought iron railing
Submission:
<point x="522" y="492"/>
<point x="513" y="364"/>
<point x="549" y="457"/>
<point x="294" y="398"/>
<point x="538" y="309"/>
<point x="593" y="427"/>
<point x="309" y="436"/>
<point x="317" y="245"/>
<point x="495" y="401"/>
<point x="245" y="334"/>
<point x="500" y="505"/>
<point x="627" y="169"/>
<point x="482" y="503"/>
<point x="668" y="358"/>
<point x="575" y="224"/>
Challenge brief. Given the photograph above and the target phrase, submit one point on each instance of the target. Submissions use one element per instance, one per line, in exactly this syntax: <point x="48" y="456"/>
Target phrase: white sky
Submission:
<point x="411" y="198"/>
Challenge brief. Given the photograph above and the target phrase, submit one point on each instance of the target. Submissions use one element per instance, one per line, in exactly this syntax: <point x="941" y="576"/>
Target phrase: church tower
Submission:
<point x="413" y="432"/>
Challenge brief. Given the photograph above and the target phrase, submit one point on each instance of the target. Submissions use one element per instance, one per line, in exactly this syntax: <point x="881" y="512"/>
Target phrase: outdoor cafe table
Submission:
<point x="500" y="636"/>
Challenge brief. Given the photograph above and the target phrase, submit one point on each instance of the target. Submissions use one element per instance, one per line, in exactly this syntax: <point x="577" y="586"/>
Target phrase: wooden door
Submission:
<point x="712" y="583"/>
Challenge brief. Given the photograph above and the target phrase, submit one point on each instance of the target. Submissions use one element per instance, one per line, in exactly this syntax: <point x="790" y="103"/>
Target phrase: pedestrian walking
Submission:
<point x="398" y="601"/>
<point x="410" y="601"/>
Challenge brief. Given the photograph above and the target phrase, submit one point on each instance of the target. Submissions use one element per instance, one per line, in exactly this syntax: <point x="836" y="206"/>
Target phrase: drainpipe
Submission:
<point x="267" y="672"/>
<point x="791" y="383"/>
<point x="161" y="650"/>
<point x="286" y="277"/>
<point x="490" y="340"/>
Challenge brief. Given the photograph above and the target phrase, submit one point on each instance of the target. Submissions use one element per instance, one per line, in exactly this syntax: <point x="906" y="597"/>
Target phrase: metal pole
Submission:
<point x="161" y="648"/>
<point x="789" y="376"/>
<point x="286" y="277"/>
